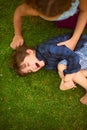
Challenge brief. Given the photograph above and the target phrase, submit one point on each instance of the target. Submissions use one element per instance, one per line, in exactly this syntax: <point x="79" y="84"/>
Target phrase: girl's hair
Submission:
<point x="50" y="7"/>
<point x="17" y="58"/>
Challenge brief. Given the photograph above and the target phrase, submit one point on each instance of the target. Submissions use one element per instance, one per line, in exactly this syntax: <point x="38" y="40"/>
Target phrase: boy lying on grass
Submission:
<point x="49" y="55"/>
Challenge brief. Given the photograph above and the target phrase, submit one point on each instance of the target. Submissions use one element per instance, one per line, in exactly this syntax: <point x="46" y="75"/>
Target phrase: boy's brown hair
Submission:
<point x="50" y="7"/>
<point x="18" y="56"/>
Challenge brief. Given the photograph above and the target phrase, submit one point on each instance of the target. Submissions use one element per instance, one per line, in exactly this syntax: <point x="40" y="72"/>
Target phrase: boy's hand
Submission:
<point x="67" y="85"/>
<point x="17" y="41"/>
<point x="69" y="77"/>
<point x="67" y="82"/>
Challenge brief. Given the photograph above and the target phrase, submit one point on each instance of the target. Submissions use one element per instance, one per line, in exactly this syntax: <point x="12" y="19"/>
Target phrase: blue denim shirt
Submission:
<point x="52" y="54"/>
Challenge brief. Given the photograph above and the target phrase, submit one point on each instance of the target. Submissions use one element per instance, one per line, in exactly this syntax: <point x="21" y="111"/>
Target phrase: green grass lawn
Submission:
<point x="34" y="102"/>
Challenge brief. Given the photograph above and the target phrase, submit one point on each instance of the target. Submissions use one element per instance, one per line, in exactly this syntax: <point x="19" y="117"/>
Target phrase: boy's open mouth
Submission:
<point x="37" y="65"/>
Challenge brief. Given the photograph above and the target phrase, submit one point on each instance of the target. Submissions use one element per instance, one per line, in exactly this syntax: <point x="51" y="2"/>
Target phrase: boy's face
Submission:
<point x="31" y="63"/>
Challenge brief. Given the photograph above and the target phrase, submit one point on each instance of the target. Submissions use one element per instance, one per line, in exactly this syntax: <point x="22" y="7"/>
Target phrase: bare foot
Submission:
<point x="83" y="100"/>
<point x="67" y="85"/>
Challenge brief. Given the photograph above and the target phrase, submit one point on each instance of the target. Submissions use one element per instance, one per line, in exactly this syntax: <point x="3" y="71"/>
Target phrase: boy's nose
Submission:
<point x="34" y="66"/>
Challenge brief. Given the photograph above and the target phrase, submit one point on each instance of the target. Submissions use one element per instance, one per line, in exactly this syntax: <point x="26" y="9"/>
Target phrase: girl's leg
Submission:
<point x="83" y="100"/>
<point x="80" y="79"/>
<point x="84" y="72"/>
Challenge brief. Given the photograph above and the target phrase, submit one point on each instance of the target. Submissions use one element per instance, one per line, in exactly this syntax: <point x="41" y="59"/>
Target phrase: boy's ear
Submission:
<point x="29" y="51"/>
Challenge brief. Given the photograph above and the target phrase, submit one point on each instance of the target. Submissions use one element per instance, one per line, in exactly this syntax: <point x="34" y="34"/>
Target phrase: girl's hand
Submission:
<point x="69" y="43"/>
<point x="17" y="41"/>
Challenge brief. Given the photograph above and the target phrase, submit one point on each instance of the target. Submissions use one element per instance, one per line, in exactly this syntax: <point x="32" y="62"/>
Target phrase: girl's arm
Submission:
<point x="22" y="10"/>
<point x="81" y="23"/>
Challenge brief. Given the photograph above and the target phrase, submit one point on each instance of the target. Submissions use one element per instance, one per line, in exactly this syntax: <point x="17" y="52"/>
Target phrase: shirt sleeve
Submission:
<point x="72" y="58"/>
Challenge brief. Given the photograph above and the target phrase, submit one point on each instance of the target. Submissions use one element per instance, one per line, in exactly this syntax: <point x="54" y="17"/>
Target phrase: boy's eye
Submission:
<point x="23" y="66"/>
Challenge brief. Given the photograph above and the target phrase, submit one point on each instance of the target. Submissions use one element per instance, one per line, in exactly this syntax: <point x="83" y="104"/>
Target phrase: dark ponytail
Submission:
<point x="50" y="7"/>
